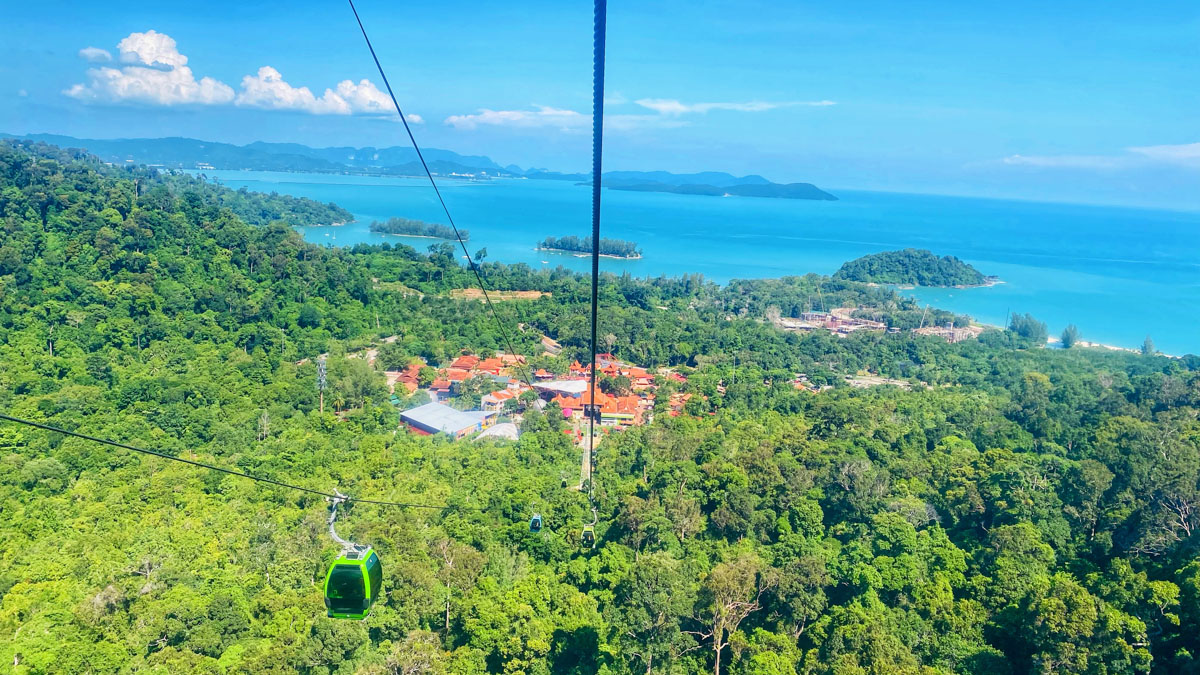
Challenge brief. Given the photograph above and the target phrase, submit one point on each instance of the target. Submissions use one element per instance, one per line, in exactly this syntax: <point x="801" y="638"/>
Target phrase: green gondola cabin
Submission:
<point x="353" y="583"/>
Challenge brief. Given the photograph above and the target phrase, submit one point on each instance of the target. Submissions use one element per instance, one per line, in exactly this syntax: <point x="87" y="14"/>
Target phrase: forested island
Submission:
<point x="417" y="228"/>
<point x="912" y="267"/>
<point x="613" y="248"/>
<point x="1016" y="511"/>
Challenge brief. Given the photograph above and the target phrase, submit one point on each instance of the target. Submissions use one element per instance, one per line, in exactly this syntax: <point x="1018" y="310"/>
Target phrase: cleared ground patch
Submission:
<point x="477" y="294"/>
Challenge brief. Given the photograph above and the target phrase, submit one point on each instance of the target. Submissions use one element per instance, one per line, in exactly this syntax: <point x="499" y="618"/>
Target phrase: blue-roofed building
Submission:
<point x="435" y="418"/>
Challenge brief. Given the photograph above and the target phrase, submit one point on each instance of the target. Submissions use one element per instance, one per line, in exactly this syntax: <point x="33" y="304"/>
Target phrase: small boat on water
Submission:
<point x="545" y="262"/>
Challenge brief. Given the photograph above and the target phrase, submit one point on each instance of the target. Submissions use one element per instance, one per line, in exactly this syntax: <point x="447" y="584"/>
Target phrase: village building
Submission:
<point x="571" y="388"/>
<point x="406" y="379"/>
<point x="496" y="400"/>
<point x="840" y="322"/>
<point x="491" y="365"/>
<point x="439" y="389"/>
<point x="465" y="362"/>
<point x="434" y="418"/>
<point x="951" y="334"/>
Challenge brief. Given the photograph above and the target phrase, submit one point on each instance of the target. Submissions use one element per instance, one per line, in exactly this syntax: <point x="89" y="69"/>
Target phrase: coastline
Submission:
<point x="1056" y="343"/>
<point x="911" y="287"/>
<point x="1035" y="281"/>
<point x="417" y="236"/>
<point x="587" y="254"/>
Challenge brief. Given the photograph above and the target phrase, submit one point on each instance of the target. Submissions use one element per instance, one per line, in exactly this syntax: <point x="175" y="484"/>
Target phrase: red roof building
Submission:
<point x="496" y="400"/>
<point x="492" y="366"/>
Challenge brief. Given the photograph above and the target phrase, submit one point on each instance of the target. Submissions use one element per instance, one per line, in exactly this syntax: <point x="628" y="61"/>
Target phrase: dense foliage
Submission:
<point x="257" y="208"/>
<point x="914" y="267"/>
<point x="1026" y="326"/>
<point x="417" y="228"/>
<point x="1020" y="510"/>
<point x="614" y="247"/>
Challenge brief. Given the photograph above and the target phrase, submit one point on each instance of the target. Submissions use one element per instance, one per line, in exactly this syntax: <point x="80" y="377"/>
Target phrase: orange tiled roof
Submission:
<point x="502" y="395"/>
<point x="492" y="365"/>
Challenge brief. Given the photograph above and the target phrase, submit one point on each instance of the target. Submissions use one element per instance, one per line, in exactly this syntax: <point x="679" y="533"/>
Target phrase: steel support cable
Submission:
<point x="600" y="30"/>
<point x="445" y="209"/>
<point x="117" y="444"/>
<point x="597" y="156"/>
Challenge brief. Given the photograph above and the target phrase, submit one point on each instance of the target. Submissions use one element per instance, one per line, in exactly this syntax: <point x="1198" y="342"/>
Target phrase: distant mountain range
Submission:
<point x="192" y="154"/>
<point x="764" y="189"/>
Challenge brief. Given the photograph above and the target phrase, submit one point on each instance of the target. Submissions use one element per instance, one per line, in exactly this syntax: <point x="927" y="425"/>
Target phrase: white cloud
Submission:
<point x="269" y="90"/>
<point x="1065" y="161"/>
<point x="154" y="72"/>
<point x="363" y="97"/>
<point x="543" y="116"/>
<point x="1188" y="153"/>
<point x="151" y="49"/>
<point x="667" y="115"/>
<point x="95" y="55"/>
<point x="672" y="107"/>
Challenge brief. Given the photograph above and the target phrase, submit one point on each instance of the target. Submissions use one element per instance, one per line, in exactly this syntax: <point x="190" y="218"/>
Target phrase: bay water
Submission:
<point x="1118" y="274"/>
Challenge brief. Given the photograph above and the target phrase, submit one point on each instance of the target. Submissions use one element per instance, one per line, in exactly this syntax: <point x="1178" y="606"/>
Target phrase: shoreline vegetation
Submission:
<point x="417" y="228"/>
<point x="609" y="248"/>
<point x="988" y="283"/>
<point x="914" y="267"/>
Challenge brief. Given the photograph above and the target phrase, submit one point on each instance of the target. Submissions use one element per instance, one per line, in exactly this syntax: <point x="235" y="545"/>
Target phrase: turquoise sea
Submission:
<point x="1119" y="274"/>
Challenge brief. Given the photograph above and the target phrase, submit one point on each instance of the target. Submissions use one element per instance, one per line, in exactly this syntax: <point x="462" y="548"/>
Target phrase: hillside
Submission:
<point x="192" y="154"/>
<point x="912" y="267"/>
<point x="189" y="153"/>
<point x="1015" y="510"/>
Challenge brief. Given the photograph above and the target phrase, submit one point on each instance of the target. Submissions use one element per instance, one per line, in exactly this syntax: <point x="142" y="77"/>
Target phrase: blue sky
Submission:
<point x="1072" y="101"/>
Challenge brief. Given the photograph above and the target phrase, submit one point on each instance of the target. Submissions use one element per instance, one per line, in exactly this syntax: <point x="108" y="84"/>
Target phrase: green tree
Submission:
<point x="1070" y="336"/>
<point x="730" y="593"/>
<point x="1148" y="348"/>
